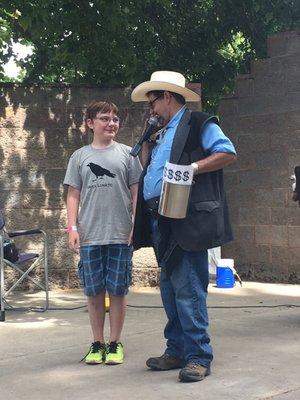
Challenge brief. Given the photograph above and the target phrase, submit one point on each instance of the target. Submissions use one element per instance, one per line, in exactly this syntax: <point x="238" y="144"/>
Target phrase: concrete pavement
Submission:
<point x="257" y="350"/>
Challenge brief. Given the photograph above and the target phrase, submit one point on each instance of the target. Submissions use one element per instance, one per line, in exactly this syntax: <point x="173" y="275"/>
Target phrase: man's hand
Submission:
<point x="214" y="162"/>
<point x="74" y="241"/>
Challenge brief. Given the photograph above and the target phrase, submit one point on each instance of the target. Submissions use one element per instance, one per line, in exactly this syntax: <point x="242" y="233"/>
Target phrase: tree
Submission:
<point x="122" y="42"/>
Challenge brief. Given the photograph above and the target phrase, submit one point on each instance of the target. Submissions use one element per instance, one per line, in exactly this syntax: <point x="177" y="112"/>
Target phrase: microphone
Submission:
<point x="152" y="125"/>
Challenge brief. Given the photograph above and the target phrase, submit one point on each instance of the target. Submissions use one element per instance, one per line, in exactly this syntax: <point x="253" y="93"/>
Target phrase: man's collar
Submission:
<point x="176" y="117"/>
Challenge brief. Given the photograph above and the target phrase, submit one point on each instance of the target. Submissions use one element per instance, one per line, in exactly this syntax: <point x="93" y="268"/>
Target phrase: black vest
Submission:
<point x="207" y="222"/>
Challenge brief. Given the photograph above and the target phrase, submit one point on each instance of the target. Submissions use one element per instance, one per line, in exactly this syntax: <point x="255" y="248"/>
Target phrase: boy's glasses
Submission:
<point x="106" y="120"/>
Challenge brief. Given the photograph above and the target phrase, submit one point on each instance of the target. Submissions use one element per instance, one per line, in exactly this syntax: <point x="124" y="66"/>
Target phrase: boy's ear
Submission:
<point x="89" y="123"/>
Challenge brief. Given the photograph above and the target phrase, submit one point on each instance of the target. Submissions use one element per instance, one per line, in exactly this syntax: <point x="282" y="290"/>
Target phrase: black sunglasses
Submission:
<point x="151" y="102"/>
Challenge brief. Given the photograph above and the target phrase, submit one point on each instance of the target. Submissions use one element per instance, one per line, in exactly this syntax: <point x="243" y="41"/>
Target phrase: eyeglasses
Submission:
<point x="151" y="102"/>
<point x="106" y="120"/>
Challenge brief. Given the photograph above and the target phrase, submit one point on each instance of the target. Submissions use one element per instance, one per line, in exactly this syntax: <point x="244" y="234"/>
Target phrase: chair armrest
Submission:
<point x="25" y="233"/>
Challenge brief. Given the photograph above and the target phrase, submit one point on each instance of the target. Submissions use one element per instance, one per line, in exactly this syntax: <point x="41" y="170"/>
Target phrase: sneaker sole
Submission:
<point x="113" y="362"/>
<point x="93" y="362"/>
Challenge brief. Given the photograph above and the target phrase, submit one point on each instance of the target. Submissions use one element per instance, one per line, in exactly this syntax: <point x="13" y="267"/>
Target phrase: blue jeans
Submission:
<point x="184" y="296"/>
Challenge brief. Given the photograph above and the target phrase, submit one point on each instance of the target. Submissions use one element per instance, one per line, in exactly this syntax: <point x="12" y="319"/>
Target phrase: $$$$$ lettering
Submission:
<point x="176" y="175"/>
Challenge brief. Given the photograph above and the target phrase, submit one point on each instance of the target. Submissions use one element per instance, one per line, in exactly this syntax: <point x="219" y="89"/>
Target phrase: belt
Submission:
<point x="152" y="206"/>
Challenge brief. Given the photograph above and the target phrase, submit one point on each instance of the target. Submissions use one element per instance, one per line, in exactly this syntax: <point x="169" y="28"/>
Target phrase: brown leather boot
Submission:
<point x="164" y="362"/>
<point x="193" y="372"/>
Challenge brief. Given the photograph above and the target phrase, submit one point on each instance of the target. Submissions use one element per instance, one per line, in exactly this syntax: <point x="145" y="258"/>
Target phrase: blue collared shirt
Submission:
<point x="213" y="141"/>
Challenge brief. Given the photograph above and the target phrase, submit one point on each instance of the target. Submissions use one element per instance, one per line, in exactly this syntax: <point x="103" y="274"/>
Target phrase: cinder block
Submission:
<point x="293" y="73"/>
<point x="285" y="216"/>
<point x="12" y="117"/>
<point x="260" y="67"/>
<point x="231" y="179"/>
<point x="268" y="85"/>
<point x="34" y="199"/>
<point x="270" y="197"/>
<point x="293" y="101"/>
<point x="293" y="44"/>
<point x="254" y="179"/>
<point x="78" y="96"/>
<point x="271" y="234"/>
<point x="244" y="87"/>
<point x="245" y="233"/>
<point x="228" y="106"/>
<point x="280" y="256"/>
<point x="118" y="95"/>
<point x="280" y="178"/>
<point x="288" y="139"/>
<point x="254" y="215"/>
<point x="277" y="44"/>
<point x="243" y="198"/>
<point x="254" y="142"/>
<point x="53" y="178"/>
<point x="294" y="255"/>
<point x="10" y="199"/>
<point x="294" y="236"/>
<point x="273" y="160"/>
<point x="128" y="136"/>
<point x="54" y="96"/>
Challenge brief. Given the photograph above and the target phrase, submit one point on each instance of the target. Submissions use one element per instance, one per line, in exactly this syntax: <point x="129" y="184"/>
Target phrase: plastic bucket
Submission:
<point x="225" y="275"/>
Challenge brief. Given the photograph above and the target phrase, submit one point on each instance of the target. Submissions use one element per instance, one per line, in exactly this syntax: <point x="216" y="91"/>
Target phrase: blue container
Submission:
<point x="225" y="278"/>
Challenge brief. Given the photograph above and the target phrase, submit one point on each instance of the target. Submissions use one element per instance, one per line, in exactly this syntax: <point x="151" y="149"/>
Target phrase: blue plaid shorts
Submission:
<point x="105" y="267"/>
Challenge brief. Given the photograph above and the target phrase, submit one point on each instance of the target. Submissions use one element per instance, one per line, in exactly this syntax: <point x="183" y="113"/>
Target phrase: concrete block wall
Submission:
<point x="262" y="117"/>
<point x="40" y="127"/>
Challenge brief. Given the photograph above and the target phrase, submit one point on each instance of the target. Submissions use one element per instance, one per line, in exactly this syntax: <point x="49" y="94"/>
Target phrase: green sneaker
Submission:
<point x="96" y="354"/>
<point x="114" y="353"/>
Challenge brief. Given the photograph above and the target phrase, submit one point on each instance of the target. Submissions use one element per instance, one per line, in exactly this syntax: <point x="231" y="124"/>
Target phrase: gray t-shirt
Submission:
<point x="104" y="177"/>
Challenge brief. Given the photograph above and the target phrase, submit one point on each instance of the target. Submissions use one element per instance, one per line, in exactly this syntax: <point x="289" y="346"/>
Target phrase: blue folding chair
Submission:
<point x="24" y="264"/>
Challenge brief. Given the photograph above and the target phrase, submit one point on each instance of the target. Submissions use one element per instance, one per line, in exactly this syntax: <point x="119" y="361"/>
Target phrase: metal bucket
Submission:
<point x="175" y="193"/>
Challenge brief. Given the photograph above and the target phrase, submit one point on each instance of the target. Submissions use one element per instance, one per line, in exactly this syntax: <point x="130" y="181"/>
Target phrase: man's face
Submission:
<point x="160" y="107"/>
<point x="105" y="125"/>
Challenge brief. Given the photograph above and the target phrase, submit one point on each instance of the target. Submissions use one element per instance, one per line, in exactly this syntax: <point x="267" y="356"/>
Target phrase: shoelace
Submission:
<point x="112" y="347"/>
<point x="95" y="347"/>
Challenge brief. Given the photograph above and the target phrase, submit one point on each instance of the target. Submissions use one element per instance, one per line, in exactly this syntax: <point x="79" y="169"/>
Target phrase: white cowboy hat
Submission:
<point x="164" y="80"/>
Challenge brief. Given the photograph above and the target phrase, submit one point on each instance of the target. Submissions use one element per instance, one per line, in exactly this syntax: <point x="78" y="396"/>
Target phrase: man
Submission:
<point x="181" y="244"/>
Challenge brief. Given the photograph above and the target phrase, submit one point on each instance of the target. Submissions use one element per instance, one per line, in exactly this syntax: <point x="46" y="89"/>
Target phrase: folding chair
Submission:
<point x="22" y="266"/>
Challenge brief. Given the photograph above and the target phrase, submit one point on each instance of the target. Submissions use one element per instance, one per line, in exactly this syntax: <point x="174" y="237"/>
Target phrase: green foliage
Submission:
<point x="110" y="42"/>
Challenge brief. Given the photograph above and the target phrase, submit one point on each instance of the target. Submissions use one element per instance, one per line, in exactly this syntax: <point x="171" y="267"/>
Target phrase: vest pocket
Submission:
<point x="208" y="206"/>
<point x="208" y="219"/>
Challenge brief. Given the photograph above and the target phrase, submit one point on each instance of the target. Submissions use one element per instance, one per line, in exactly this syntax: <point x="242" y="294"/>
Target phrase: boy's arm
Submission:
<point x="134" y="193"/>
<point x="73" y="198"/>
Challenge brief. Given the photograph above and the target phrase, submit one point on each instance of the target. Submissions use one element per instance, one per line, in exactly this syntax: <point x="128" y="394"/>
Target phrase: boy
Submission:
<point x="102" y="181"/>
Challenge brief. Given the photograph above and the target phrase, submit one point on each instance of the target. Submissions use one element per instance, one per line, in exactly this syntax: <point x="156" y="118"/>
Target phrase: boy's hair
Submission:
<point x="100" y="106"/>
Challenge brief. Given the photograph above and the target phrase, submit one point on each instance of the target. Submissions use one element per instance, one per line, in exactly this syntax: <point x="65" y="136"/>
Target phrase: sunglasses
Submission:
<point x="151" y="102"/>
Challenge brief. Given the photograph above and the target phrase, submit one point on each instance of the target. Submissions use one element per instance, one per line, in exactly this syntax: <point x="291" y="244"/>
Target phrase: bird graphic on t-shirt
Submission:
<point x="100" y="171"/>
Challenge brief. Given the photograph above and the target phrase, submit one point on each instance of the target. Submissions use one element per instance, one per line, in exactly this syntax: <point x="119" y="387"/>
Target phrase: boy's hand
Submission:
<point x="74" y="241"/>
<point x="130" y="238"/>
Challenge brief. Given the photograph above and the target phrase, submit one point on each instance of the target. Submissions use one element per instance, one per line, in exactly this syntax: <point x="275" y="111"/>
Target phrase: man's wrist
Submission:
<point x="195" y="167"/>
<point x="72" y="228"/>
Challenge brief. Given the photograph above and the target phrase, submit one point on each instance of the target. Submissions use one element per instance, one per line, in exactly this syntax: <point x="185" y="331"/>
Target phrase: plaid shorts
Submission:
<point x="105" y="267"/>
